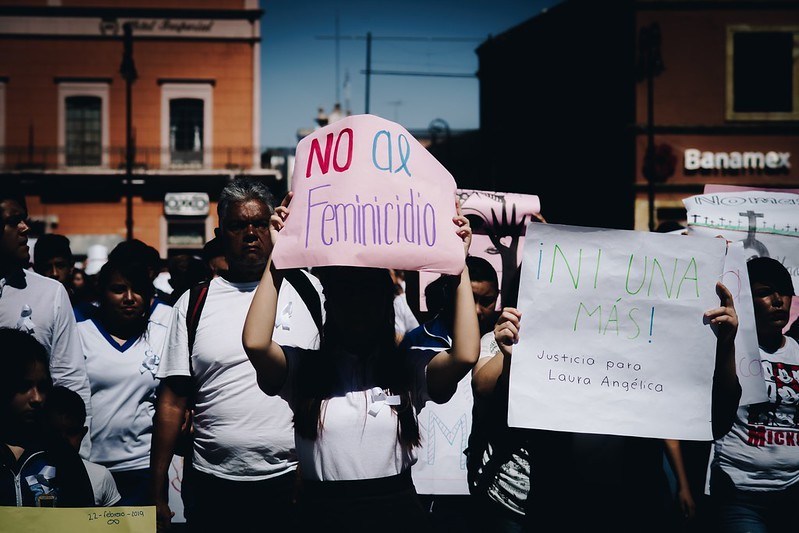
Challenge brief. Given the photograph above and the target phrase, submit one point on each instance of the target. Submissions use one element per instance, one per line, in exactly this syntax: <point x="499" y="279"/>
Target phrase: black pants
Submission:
<point x="367" y="505"/>
<point x="227" y="506"/>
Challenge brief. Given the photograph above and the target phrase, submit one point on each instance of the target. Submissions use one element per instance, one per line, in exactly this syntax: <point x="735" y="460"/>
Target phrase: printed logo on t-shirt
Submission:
<point x="25" y="322"/>
<point x="150" y="362"/>
<point x="283" y="320"/>
<point x="775" y="422"/>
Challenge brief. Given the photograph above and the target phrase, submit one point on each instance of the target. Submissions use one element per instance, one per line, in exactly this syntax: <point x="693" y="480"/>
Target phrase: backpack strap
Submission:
<point x="197" y="296"/>
<point x="307" y="292"/>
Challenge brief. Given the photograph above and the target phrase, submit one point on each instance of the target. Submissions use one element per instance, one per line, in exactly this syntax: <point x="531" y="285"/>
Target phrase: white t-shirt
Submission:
<point x="404" y="319"/>
<point x="123" y="385"/>
<point x="354" y="443"/>
<point x="51" y="320"/>
<point x="161" y="313"/>
<point x="104" y="487"/>
<point x="761" y="451"/>
<point x="240" y="433"/>
<point x="294" y="324"/>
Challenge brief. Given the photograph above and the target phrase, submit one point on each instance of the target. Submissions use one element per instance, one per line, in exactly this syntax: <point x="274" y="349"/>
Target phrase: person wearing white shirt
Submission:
<point x="38" y="305"/>
<point x="123" y="349"/>
<point x="243" y="454"/>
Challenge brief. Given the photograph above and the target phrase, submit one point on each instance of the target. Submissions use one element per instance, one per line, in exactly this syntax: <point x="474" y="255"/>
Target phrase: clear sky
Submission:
<point x="299" y="59"/>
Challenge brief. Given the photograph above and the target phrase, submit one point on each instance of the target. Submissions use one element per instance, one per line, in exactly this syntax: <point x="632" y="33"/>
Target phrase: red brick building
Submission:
<point x="565" y="105"/>
<point x="194" y="106"/>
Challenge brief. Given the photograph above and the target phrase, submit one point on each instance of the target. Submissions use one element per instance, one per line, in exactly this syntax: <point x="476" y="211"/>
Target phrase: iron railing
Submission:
<point x="58" y="158"/>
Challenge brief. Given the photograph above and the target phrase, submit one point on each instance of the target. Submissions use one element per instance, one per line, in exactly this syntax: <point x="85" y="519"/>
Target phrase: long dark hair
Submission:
<point x="384" y="364"/>
<point x="137" y="274"/>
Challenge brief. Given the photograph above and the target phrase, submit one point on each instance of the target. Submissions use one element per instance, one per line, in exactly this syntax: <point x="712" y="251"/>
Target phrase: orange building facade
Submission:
<point x="724" y="100"/>
<point x="67" y="89"/>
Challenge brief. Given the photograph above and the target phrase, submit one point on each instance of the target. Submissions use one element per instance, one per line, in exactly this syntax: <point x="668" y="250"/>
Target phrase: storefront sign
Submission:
<point x="186" y="203"/>
<point x="697" y="160"/>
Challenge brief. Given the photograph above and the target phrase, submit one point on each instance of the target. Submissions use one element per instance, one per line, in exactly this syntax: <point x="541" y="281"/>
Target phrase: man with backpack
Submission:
<point x="242" y="455"/>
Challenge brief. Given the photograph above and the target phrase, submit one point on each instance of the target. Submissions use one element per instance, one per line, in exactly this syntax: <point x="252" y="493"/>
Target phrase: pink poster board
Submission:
<point x="367" y="193"/>
<point x="498" y="221"/>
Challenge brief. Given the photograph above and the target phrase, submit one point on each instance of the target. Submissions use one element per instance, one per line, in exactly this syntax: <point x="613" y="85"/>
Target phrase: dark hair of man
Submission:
<point x="481" y="270"/>
<point x="318" y="379"/>
<point x="185" y="272"/>
<point x="21" y="352"/>
<point x="213" y="248"/>
<point x="241" y="190"/>
<point x="11" y="190"/>
<point x="66" y="403"/>
<point x="769" y="271"/>
<point x="51" y="245"/>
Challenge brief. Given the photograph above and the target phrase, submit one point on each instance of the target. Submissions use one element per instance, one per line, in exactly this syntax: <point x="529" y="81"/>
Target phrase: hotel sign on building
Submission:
<point x="143" y="28"/>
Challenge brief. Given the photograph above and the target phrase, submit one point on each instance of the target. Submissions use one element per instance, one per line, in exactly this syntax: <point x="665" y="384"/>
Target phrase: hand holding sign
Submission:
<point x="278" y="219"/>
<point x="366" y="193"/>
<point x="724" y="317"/>
<point x="506" y="330"/>
<point x="465" y="229"/>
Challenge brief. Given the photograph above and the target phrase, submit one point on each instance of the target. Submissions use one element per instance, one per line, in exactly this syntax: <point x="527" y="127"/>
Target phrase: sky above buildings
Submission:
<point x="303" y="68"/>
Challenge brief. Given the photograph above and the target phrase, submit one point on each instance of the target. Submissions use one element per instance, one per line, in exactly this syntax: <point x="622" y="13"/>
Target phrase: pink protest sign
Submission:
<point x="366" y="193"/>
<point x="498" y="221"/>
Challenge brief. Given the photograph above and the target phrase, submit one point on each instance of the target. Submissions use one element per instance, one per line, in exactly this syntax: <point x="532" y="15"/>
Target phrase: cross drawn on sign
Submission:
<point x="370" y="72"/>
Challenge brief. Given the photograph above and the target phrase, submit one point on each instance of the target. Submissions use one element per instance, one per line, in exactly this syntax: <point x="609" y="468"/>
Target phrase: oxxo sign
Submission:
<point x="698" y="160"/>
<point x="186" y="203"/>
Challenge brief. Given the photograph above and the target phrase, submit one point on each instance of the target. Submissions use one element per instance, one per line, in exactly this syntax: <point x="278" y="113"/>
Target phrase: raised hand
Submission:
<point x="278" y="219"/>
<point x="723" y="318"/>
<point x="464" y="228"/>
<point x="506" y="329"/>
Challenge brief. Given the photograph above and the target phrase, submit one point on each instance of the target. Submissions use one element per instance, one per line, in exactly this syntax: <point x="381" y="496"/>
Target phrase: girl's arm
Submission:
<point x="266" y="355"/>
<point x="488" y="369"/>
<point x="684" y="497"/>
<point x="726" y="388"/>
<point x="447" y="368"/>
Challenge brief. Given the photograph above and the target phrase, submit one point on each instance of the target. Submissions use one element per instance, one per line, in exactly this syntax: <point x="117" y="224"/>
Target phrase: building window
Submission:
<point x="84" y="131"/>
<point x="186" y="131"/>
<point x="83" y="128"/>
<point x="762" y="76"/>
<point x="187" y="124"/>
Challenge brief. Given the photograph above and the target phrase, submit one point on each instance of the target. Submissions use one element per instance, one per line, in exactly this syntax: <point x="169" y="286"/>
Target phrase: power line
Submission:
<point x="398" y="38"/>
<point x="369" y="72"/>
<point x="410" y="73"/>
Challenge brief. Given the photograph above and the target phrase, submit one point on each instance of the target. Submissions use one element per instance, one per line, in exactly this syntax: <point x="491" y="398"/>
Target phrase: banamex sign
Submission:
<point x="367" y="193"/>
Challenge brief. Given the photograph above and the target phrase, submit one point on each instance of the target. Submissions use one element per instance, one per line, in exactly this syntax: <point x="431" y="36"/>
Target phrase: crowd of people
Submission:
<point x="294" y="394"/>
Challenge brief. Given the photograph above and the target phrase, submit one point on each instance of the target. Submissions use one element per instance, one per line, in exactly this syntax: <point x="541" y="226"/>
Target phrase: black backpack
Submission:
<point x="294" y="276"/>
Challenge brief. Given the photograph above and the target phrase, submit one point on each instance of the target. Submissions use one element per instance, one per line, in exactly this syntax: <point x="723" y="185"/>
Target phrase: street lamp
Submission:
<point x="650" y="64"/>
<point x="128" y="71"/>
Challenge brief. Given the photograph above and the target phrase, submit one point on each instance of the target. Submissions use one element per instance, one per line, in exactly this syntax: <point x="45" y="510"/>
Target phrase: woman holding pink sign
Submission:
<point x="355" y="400"/>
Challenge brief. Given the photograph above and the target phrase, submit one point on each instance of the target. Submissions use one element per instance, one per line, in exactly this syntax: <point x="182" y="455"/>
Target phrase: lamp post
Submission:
<point x="650" y="64"/>
<point x="368" y="67"/>
<point x="128" y="71"/>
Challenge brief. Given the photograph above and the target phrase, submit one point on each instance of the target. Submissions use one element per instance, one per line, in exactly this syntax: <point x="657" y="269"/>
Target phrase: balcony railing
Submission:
<point x="57" y="158"/>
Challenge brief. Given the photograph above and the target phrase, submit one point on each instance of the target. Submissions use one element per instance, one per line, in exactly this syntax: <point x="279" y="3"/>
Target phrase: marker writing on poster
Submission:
<point x="651" y="277"/>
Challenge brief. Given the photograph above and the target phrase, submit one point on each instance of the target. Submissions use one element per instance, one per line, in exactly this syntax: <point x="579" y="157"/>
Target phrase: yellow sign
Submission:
<point x="78" y="520"/>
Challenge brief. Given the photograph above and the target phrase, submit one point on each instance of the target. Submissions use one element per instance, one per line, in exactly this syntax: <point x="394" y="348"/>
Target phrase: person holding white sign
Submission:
<point x="754" y="480"/>
<point x="500" y="479"/>
<point x="355" y="400"/>
<point x="598" y="482"/>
